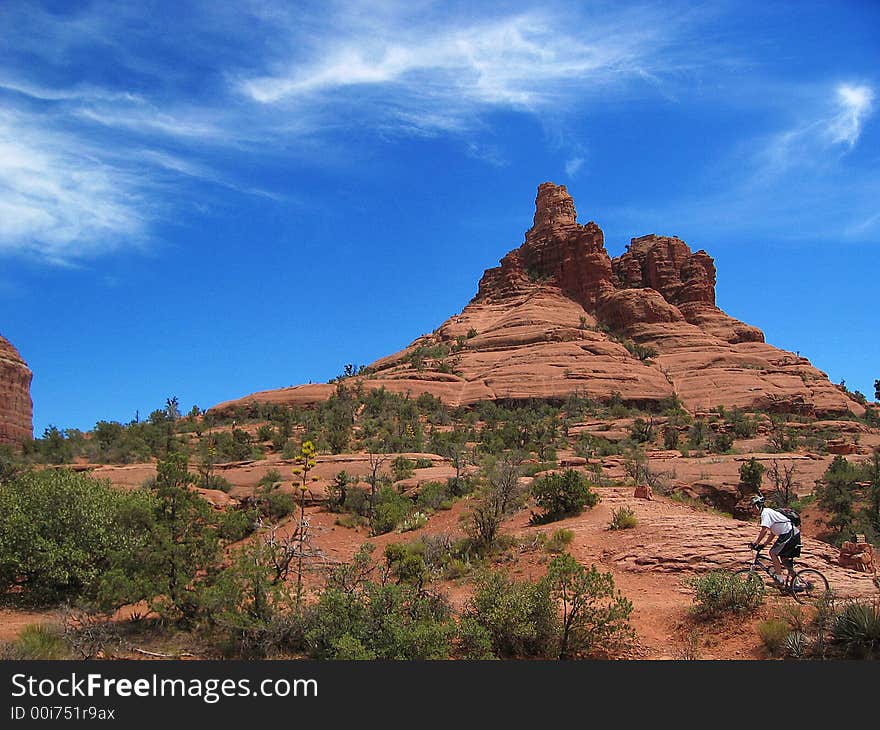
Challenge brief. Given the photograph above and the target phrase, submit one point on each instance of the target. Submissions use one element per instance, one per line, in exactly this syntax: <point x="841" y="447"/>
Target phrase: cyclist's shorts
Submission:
<point x="788" y="545"/>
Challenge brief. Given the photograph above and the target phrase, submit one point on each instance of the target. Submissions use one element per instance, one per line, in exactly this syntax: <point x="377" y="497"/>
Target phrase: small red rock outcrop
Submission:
<point x="560" y="316"/>
<point x="16" y="408"/>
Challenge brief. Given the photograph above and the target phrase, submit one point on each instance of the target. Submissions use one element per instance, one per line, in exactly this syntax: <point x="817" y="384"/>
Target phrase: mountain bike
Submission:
<point x="807" y="586"/>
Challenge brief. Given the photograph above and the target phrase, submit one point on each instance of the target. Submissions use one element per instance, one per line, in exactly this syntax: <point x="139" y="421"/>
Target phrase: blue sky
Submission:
<point x="207" y="199"/>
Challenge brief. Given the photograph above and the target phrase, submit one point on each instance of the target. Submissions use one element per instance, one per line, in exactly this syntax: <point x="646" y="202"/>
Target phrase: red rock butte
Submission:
<point x="560" y="316"/>
<point x="16" y="409"/>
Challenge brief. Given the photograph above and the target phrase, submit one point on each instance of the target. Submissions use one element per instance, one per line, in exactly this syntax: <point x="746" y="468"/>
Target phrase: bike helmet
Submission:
<point x="757" y="501"/>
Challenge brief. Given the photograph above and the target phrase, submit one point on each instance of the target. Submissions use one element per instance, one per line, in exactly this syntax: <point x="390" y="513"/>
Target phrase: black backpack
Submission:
<point x="792" y="515"/>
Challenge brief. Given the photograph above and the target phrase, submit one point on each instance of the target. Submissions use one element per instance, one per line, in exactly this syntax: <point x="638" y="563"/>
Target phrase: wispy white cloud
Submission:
<point x="828" y="123"/>
<point x="59" y="202"/>
<point x="442" y="73"/>
<point x="854" y="104"/>
<point x="573" y="166"/>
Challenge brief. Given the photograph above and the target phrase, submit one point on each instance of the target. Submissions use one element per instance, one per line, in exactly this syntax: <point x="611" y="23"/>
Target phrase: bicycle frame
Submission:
<point x="764" y="563"/>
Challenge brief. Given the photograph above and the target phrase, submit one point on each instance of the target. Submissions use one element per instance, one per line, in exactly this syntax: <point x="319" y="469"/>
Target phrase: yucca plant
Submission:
<point x="856" y="629"/>
<point x="39" y="641"/>
<point x="796" y="645"/>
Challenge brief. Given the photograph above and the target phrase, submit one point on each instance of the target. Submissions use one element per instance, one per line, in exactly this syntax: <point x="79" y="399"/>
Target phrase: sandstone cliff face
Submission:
<point x="559" y="316"/>
<point x="16" y="424"/>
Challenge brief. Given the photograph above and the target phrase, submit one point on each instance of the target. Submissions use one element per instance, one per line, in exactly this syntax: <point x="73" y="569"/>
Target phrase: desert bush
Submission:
<point x="774" y="634"/>
<point x="59" y="531"/>
<point x="39" y="641"/>
<point x="277" y="505"/>
<point x="721" y="443"/>
<point x="391" y="621"/>
<point x="423" y="463"/>
<point x="432" y="495"/>
<point x="561" y="495"/>
<point x="237" y="524"/>
<point x="390" y="509"/>
<point x="402" y="468"/>
<point x="856" y="629"/>
<point x="351" y="521"/>
<point x="720" y="592"/>
<point x="750" y="476"/>
<point x="520" y="617"/>
<point x="357" y="501"/>
<point x="670" y="437"/>
<point x="473" y="640"/>
<point x="595" y="618"/>
<point x="623" y="518"/>
<point x="559" y="541"/>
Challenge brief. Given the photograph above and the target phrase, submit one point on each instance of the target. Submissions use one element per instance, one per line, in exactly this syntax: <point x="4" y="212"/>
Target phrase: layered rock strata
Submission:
<point x="16" y="409"/>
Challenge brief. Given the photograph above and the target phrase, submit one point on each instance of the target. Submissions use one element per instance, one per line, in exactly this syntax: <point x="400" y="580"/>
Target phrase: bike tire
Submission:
<point x="817" y="587"/>
<point x="751" y="578"/>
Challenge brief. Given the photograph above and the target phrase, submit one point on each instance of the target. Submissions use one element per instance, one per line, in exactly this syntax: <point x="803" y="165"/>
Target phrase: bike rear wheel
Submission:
<point x="809" y="587"/>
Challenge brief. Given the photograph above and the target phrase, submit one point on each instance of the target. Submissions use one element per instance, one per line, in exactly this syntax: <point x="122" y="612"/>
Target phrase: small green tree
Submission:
<point x="562" y="495"/>
<point x="834" y="494"/>
<point x="166" y="567"/>
<point x="594" y="616"/>
<point x="751" y="474"/>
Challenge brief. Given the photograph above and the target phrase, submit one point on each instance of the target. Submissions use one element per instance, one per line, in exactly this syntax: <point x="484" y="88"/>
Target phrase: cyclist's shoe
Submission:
<point x="800" y="586"/>
<point x="778" y="579"/>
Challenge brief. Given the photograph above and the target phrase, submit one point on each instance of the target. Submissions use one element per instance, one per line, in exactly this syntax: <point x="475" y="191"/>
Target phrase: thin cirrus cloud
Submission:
<point x="831" y="124"/>
<point x="58" y="202"/>
<point x="442" y="77"/>
<point x="854" y="106"/>
<point x="89" y="158"/>
<point x="85" y="162"/>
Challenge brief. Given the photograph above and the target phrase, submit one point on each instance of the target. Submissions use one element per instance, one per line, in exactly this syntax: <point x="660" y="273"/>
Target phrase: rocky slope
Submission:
<point x="16" y="423"/>
<point x="560" y="316"/>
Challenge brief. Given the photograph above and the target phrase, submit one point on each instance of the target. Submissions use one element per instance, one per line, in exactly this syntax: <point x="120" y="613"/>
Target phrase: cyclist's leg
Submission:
<point x="777" y="548"/>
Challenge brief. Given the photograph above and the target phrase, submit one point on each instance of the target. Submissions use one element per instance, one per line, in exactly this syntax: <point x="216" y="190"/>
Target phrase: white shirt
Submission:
<point x="775" y="521"/>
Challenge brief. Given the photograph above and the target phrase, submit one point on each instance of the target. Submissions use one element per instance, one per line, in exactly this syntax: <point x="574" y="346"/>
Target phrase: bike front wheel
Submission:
<point x="752" y="579"/>
<point x="809" y="587"/>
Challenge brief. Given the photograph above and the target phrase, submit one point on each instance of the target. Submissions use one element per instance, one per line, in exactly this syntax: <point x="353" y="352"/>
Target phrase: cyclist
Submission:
<point x="788" y="537"/>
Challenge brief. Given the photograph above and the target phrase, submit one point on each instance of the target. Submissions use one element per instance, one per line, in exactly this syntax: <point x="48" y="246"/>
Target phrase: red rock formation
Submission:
<point x="16" y="425"/>
<point x="559" y="316"/>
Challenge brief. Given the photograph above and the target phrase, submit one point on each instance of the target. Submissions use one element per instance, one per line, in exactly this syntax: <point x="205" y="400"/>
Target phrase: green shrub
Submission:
<point x="39" y="641"/>
<point x="856" y="629"/>
<point x="391" y="621"/>
<point x="402" y="468"/>
<point x="774" y="633"/>
<point x="559" y="541"/>
<point x="623" y="519"/>
<point x="236" y="524"/>
<point x="59" y="531"/>
<point x="214" y="481"/>
<point x="432" y="495"/>
<point x="595" y="618"/>
<point x="720" y="592"/>
<point x="350" y="521"/>
<point x="423" y="463"/>
<point x="520" y="618"/>
<point x="390" y="509"/>
<point x="721" y="443"/>
<point x="456" y="568"/>
<point x="357" y="501"/>
<point x="278" y="505"/>
<point x="750" y="475"/>
<point x="561" y="495"/>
